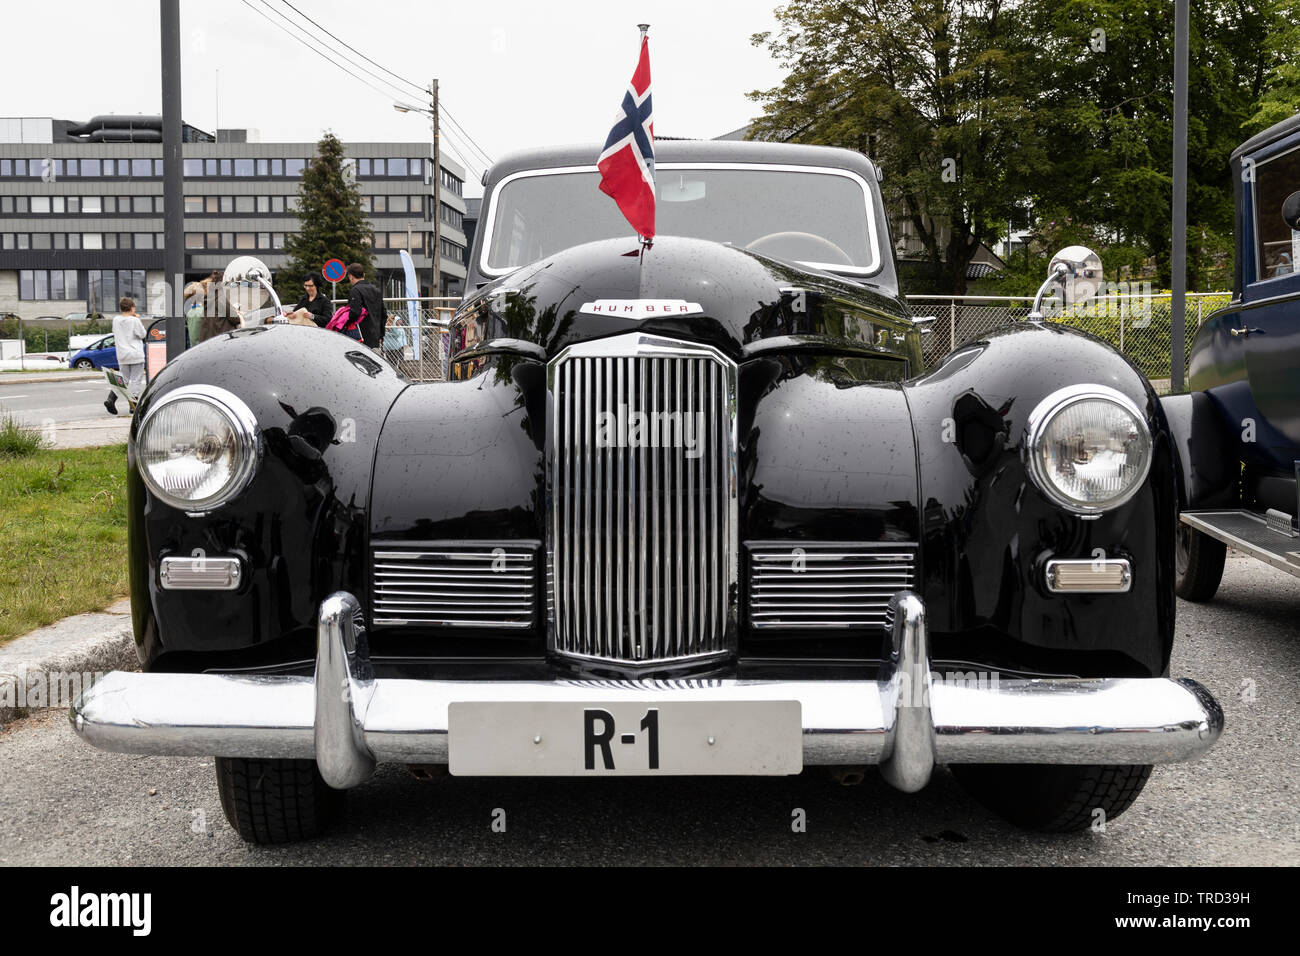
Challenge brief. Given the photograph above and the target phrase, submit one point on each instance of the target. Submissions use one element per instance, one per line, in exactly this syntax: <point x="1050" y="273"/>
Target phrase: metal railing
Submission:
<point x="417" y="340"/>
<point x="1137" y="325"/>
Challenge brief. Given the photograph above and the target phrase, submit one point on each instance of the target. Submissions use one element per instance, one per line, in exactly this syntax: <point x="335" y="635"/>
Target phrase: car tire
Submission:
<point x="275" y="801"/>
<point x="1054" y="798"/>
<point x="1199" y="564"/>
<point x="83" y="363"/>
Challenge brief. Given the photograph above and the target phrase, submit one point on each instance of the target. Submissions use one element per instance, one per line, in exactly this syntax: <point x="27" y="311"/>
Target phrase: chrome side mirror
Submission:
<point x="249" y="271"/>
<point x="1076" y="271"/>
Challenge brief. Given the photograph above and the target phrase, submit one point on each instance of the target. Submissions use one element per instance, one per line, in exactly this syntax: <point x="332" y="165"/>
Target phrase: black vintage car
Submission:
<point x="685" y="507"/>
<point x="1239" y="429"/>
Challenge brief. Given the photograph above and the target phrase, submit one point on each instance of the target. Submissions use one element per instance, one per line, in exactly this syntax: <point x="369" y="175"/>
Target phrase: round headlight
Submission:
<point x="197" y="447"/>
<point x="1089" y="448"/>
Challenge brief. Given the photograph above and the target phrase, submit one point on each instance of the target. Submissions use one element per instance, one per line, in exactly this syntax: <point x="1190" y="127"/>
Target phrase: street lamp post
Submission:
<point x="435" y="254"/>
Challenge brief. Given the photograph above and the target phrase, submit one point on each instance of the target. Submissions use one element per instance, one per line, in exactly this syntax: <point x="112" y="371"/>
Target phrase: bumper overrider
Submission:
<point x="907" y="721"/>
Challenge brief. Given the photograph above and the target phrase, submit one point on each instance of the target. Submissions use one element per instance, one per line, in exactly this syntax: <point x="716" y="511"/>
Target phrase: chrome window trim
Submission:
<point x="1260" y="279"/>
<point x="488" y="219"/>
<point x="247" y="432"/>
<point x="1046" y="410"/>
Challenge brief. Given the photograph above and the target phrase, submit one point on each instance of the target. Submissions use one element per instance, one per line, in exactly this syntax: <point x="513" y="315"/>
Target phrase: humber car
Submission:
<point x="687" y="506"/>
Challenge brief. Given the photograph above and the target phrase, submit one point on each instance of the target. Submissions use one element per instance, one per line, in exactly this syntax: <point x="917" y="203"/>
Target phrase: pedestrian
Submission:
<point x="128" y="340"/>
<point x="193" y="312"/>
<point x="365" y="294"/>
<point x="314" y="303"/>
<point x="216" y="309"/>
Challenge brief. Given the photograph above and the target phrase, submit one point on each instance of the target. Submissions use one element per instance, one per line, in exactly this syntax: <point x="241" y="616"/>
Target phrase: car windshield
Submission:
<point x="819" y="217"/>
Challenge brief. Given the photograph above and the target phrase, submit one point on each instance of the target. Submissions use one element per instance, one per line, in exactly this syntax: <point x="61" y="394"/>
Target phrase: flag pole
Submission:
<point x="644" y="28"/>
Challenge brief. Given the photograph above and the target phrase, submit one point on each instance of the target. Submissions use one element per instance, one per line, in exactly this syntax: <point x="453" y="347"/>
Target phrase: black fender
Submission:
<point x="1205" y="451"/>
<point x="988" y="531"/>
<point x="300" y="525"/>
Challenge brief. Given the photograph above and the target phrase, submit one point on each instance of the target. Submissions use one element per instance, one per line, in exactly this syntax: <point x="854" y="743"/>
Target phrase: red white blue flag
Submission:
<point x="627" y="163"/>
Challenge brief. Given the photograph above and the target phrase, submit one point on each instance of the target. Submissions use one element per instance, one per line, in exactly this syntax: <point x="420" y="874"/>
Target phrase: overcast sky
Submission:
<point x="513" y="73"/>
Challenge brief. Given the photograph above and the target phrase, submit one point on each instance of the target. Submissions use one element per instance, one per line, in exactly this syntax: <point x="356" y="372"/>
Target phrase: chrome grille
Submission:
<point x="483" y="584"/>
<point x="825" y="584"/>
<point x="642" y="524"/>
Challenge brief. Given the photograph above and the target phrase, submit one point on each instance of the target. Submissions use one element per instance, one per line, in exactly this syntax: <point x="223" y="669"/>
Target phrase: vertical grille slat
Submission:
<point x="642" y="533"/>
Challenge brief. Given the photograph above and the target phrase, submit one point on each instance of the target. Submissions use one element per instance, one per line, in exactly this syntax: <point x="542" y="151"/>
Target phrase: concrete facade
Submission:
<point x="240" y="199"/>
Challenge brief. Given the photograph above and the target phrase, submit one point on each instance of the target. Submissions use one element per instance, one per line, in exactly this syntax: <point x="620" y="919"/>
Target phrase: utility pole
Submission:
<point x="1178" y="254"/>
<point x="173" y="195"/>
<point x="437" y="193"/>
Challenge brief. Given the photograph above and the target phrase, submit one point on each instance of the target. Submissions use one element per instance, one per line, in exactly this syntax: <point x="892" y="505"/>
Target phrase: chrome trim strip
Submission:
<point x="488" y="219"/>
<point x="519" y="347"/>
<point x="200" y="573"/>
<point x="347" y="720"/>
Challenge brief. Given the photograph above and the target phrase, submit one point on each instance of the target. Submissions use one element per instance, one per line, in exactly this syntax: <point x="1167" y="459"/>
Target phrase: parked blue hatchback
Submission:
<point x="101" y="354"/>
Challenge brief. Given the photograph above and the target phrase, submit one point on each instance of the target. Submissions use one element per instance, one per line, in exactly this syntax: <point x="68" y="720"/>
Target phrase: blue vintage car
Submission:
<point x="1239" y="430"/>
<point x="99" y="354"/>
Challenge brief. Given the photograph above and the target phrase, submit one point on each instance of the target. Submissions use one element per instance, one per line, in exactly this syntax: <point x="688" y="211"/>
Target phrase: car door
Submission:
<point x="105" y="354"/>
<point x="1267" y="330"/>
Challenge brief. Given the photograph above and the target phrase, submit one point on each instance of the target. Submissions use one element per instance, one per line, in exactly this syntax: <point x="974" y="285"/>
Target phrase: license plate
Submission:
<point x="529" y="739"/>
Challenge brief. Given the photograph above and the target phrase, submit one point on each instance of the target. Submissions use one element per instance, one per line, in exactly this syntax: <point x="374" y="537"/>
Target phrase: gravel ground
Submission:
<point x="62" y="802"/>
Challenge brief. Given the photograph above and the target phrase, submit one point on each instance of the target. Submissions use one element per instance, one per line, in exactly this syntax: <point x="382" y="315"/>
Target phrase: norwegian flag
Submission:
<point x="627" y="163"/>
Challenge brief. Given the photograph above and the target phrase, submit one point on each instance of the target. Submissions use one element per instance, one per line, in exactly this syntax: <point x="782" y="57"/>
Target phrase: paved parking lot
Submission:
<point x="64" y="803"/>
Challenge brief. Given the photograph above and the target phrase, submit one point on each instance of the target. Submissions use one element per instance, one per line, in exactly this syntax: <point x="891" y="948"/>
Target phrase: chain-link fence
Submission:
<point x="1137" y="325"/>
<point x="416" y="341"/>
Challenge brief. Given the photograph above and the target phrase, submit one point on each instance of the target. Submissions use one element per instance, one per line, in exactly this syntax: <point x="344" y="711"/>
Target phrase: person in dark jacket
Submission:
<point x="314" y="303"/>
<point x="366" y="295"/>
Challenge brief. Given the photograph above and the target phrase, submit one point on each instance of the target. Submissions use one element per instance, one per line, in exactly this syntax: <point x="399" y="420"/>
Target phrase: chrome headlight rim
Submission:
<point x="247" y="433"/>
<point x="1047" y="410"/>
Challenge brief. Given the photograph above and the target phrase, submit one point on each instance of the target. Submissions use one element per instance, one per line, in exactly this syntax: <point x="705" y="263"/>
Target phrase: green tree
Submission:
<point x="332" y="223"/>
<point x="936" y="90"/>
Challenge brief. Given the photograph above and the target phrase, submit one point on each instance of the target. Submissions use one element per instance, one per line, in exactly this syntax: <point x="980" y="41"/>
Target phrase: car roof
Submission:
<point x="688" y="150"/>
<point x="1264" y="137"/>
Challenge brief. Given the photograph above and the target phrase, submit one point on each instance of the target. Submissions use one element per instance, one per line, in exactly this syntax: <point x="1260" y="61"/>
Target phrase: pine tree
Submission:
<point x="332" y="223"/>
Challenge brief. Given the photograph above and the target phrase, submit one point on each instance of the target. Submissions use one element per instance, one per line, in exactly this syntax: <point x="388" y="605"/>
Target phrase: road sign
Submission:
<point x="334" y="270"/>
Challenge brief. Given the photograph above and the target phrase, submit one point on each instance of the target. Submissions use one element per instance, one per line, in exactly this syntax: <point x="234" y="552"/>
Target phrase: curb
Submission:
<point x="55" y="661"/>
<point x="31" y="378"/>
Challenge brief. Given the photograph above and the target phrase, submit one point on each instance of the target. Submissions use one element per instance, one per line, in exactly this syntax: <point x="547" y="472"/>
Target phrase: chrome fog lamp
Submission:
<point x="1088" y="448"/>
<point x="198" y="447"/>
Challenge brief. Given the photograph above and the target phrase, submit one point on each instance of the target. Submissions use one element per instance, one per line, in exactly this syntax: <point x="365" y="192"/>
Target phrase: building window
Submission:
<point x="209" y="167"/>
<point x="277" y="204"/>
<point x="47" y="284"/>
<point x="107" y="286"/>
<point x="227" y="240"/>
<point x="41" y="240"/>
<point x="264" y="240"/>
<point x="143" y="240"/>
<point x="74" y="240"/>
<point x="379" y="204"/>
<point x="379" y="240"/>
<point x="263" y="167"/>
<point x="20" y="167"/>
<point x="124" y="204"/>
<point x="7" y="240"/>
<point x="110" y="205"/>
<point x="227" y="167"/>
<point x="417" y="242"/>
<point x="91" y="204"/>
<point x="92" y="240"/>
<point x="20" y="205"/>
<point x="23" y="240"/>
<point x="397" y="167"/>
<point x="244" y="240"/>
<point x="142" y="204"/>
<point x="192" y="167"/>
<point x="243" y="204"/>
<point x="6" y="167"/>
<point x="363" y="167"/>
<point x="141" y="167"/>
<point x="244" y="167"/>
<point x="277" y="240"/>
<point x="7" y="205"/>
<point x="291" y="204"/>
<point x="294" y="167"/>
<point x="212" y="240"/>
<point x="365" y="204"/>
<point x="277" y="167"/>
<point x="193" y="205"/>
<point x="263" y="203"/>
<point x="60" y="240"/>
<point x="452" y="217"/>
<point x="74" y="204"/>
<point x="40" y="205"/>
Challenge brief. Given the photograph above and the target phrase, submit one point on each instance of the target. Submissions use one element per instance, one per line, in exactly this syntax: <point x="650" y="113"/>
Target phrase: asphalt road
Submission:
<point x="70" y="413"/>
<point x="34" y="403"/>
<point x="64" y="803"/>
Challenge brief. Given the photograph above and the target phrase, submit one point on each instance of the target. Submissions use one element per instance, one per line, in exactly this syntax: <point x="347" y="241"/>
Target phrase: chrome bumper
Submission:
<point x="347" y="720"/>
